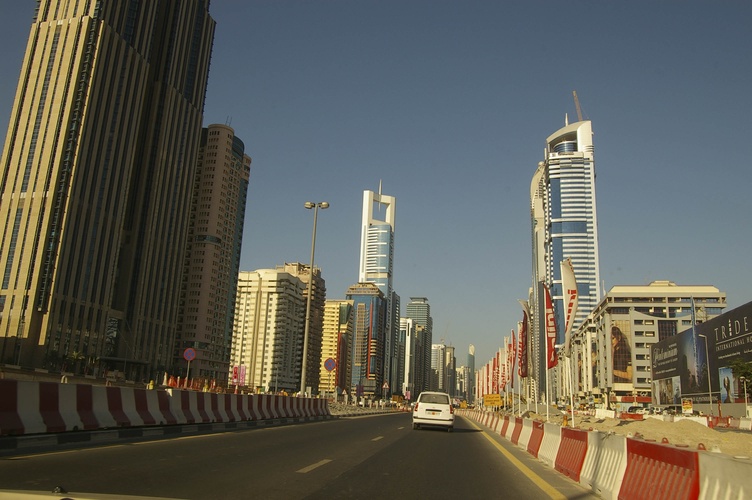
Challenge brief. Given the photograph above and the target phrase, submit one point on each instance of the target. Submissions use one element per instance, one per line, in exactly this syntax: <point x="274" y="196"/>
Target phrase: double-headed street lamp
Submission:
<point x="315" y="207"/>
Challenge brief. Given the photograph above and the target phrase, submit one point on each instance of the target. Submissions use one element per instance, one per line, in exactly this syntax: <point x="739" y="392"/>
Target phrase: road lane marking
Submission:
<point x="377" y="438"/>
<point x="535" y="478"/>
<point x="308" y="469"/>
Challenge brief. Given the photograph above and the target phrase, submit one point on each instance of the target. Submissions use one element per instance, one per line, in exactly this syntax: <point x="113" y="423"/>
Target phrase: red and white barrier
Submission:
<point x="550" y="444"/>
<point x="615" y="466"/>
<point x="572" y="452"/>
<point x="536" y="438"/>
<point x="658" y="471"/>
<point x="525" y="433"/>
<point x="605" y="463"/>
<point x="28" y="407"/>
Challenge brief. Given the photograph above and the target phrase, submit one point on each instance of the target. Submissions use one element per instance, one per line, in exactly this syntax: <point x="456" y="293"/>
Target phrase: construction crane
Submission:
<point x="577" y="106"/>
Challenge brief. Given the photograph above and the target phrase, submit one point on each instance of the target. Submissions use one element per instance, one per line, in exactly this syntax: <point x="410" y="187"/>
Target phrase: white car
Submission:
<point x="433" y="409"/>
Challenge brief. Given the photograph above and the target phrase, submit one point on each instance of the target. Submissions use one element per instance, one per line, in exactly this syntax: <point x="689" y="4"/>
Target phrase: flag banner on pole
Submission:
<point x="503" y="365"/>
<point x="513" y="360"/>
<point x="550" y="329"/>
<point x="495" y="380"/>
<point x="523" y="340"/>
<point x="569" y="290"/>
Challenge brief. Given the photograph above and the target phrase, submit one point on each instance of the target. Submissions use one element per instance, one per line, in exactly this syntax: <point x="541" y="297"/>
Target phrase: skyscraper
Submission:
<point x="470" y="385"/>
<point x="96" y="181"/>
<point x="369" y="320"/>
<point x="213" y="253"/>
<point x="419" y="310"/>
<point x="376" y="266"/>
<point x="564" y="225"/>
<point x="268" y="336"/>
<point x="336" y="344"/>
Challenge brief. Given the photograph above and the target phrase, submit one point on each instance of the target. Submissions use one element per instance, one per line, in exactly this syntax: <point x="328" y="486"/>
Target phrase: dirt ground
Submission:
<point x="732" y="442"/>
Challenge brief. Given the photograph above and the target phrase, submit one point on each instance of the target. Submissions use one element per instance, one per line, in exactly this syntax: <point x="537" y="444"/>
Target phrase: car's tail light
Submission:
<point x="415" y="408"/>
<point x="451" y="409"/>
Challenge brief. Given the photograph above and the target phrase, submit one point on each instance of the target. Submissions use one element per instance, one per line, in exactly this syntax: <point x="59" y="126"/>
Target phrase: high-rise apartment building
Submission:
<point x="268" y="335"/>
<point x="376" y="266"/>
<point x="470" y="379"/>
<point x="438" y="368"/>
<point x="96" y="178"/>
<point x="450" y="371"/>
<point x="213" y="253"/>
<point x="564" y="226"/>
<point x="406" y="357"/>
<point x="369" y="321"/>
<point x="419" y="310"/>
<point x="336" y="345"/>
<point x="315" y="326"/>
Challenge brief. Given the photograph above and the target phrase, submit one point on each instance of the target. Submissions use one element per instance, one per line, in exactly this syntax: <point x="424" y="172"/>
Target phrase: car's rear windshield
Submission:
<point x="441" y="399"/>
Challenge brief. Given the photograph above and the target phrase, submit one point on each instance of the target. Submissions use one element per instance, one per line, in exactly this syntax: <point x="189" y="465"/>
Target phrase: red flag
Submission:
<point x="569" y="289"/>
<point x="495" y="383"/>
<point x="513" y="356"/>
<point x="522" y="369"/>
<point x="550" y="330"/>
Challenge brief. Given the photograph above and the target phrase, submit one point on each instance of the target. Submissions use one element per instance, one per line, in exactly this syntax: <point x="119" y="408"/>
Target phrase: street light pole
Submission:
<point x="707" y="363"/>
<point x="744" y="381"/>
<point x="315" y="206"/>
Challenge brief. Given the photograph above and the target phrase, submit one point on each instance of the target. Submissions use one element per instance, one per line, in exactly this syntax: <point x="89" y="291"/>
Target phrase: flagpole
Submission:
<point x="548" y="401"/>
<point x="571" y="388"/>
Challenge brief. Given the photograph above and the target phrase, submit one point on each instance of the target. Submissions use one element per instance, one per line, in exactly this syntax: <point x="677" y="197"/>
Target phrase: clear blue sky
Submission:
<point x="449" y="103"/>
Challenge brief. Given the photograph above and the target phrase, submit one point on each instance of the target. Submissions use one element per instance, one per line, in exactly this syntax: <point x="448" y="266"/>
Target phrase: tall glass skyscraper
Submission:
<point x="369" y="318"/>
<point x="376" y="266"/>
<point x="564" y="225"/>
<point x="96" y="180"/>
<point x="419" y="310"/>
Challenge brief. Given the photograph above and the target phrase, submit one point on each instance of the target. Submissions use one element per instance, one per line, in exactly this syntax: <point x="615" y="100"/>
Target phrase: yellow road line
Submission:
<point x="535" y="478"/>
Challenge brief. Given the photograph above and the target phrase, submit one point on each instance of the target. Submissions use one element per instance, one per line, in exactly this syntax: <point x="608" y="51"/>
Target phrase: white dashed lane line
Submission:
<point x="308" y="469"/>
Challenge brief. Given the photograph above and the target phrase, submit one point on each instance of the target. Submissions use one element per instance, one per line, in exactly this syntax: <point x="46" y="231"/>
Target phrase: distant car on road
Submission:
<point x="433" y="409"/>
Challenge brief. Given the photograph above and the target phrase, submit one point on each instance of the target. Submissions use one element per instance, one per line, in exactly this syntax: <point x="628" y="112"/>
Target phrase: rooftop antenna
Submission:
<point x="379" y="195"/>
<point x="228" y="121"/>
<point x="577" y="106"/>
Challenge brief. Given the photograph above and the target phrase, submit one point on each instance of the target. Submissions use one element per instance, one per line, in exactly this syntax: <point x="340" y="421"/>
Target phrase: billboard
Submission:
<point x="683" y="365"/>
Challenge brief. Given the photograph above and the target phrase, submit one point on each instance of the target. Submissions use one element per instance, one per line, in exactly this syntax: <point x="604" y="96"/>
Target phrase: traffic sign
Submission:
<point x="189" y="354"/>
<point x="385" y="386"/>
<point x="330" y="364"/>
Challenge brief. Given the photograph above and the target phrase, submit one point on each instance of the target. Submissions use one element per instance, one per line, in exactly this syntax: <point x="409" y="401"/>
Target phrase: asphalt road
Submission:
<point x="364" y="457"/>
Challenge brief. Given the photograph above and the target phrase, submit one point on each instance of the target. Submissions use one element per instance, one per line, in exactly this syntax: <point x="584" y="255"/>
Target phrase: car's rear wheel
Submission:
<point x="450" y="429"/>
<point x="416" y="427"/>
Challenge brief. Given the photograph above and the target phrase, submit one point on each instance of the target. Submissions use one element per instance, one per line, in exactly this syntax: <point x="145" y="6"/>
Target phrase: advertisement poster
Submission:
<point x="684" y="365"/>
<point x="621" y="353"/>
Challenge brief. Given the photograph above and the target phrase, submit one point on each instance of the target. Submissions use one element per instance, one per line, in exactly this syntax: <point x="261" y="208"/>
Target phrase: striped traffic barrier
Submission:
<point x="605" y="463"/>
<point x="536" y="438"/>
<point x="659" y="471"/>
<point x="572" y="452"/>
<point x="504" y="427"/>
<point x="517" y="430"/>
<point x="525" y="433"/>
<point x="550" y="444"/>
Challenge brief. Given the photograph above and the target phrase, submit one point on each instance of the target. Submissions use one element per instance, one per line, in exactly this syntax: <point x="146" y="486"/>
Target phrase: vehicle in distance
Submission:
<point x="433" y="409"/>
